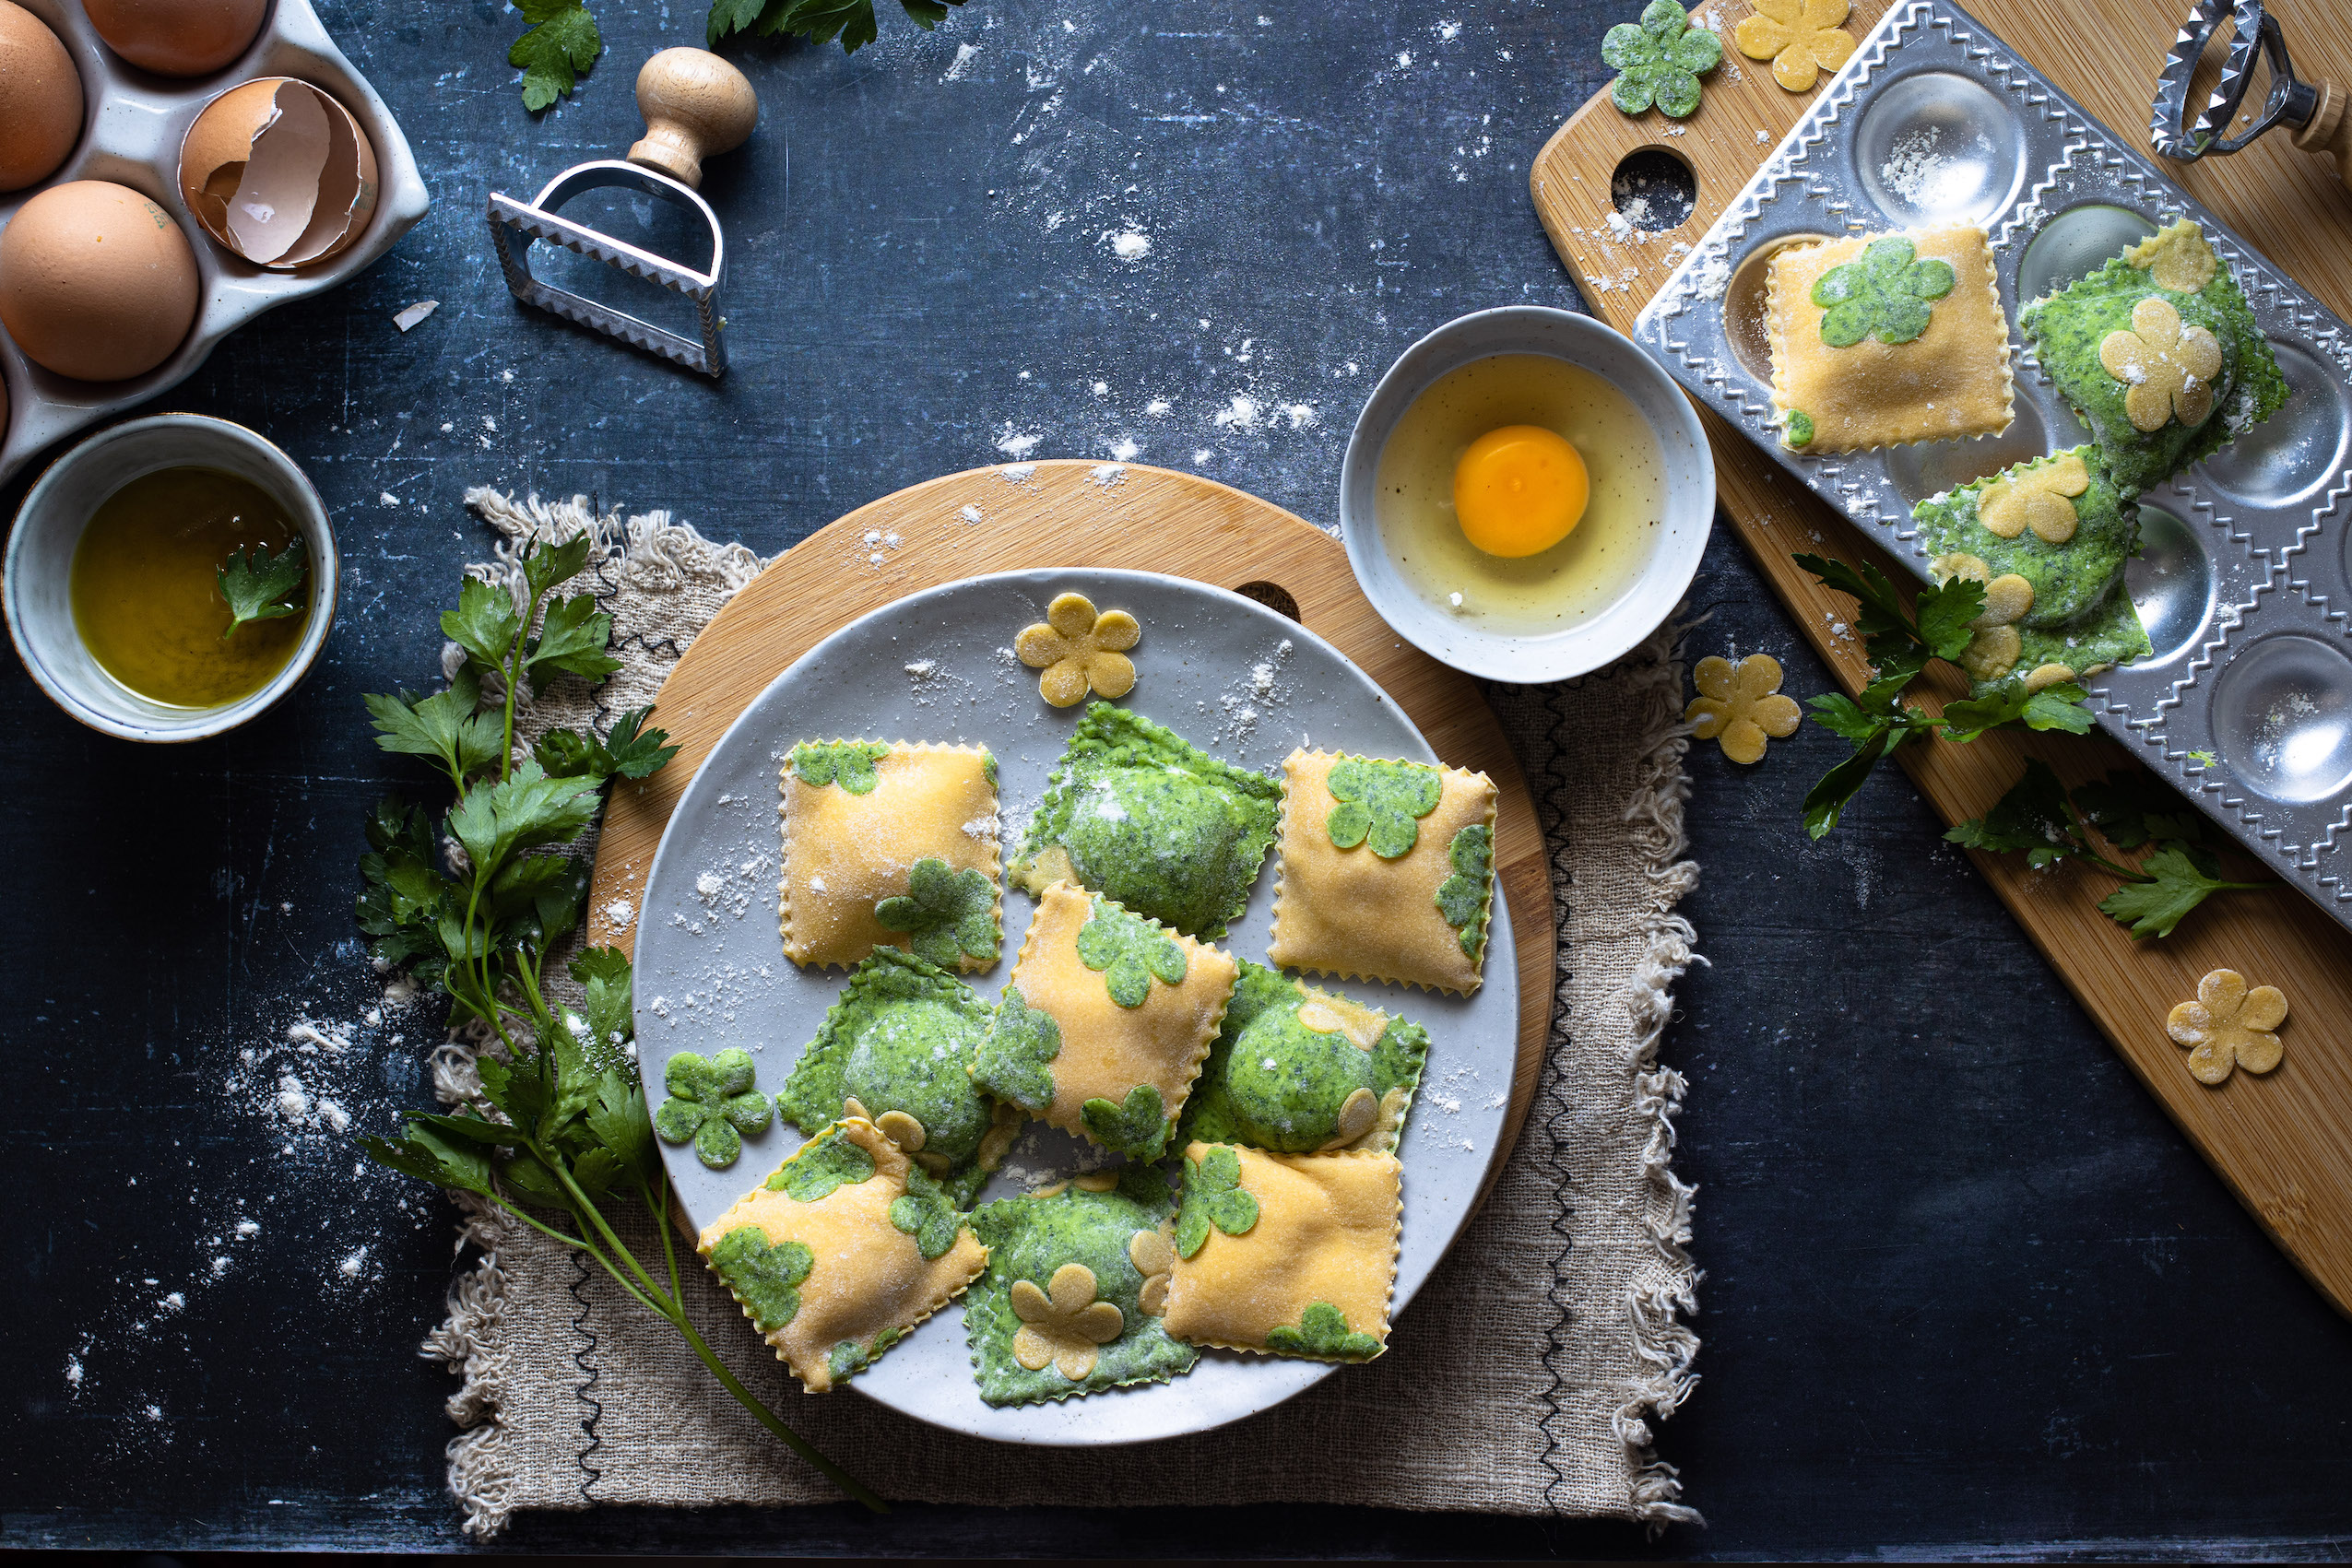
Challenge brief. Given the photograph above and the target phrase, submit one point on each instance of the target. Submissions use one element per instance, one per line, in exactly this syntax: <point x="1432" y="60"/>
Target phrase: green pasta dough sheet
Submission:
<point x="1296" y="1071"/>
<point x="1136" y="812"/>
<point x="1078" y="1277"/>
<point x="2159" y="354"/>
<point x="2108" y="636"/>
<point x="896" y="1048"/>
<point x="2059" y="522"/>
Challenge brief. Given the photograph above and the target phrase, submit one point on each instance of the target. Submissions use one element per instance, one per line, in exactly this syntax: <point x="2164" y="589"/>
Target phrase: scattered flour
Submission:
<point x="1128" y="244"/>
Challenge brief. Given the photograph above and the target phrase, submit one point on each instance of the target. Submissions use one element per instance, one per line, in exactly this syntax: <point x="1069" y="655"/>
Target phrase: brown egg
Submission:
<point x="44" y="97"/>
<point x="96" y="281"/>
<point x="177" y="38"/>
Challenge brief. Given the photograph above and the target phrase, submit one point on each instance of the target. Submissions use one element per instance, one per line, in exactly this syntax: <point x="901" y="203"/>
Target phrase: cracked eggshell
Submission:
<point x="96" y="281"/>
<point x="279" y="172"/>
<point x="177" y="38"/>
<point x="43" y="95"/>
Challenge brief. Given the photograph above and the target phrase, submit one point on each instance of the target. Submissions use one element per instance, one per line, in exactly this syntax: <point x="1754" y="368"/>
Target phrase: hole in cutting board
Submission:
<point x="1743" y="301"/>
<point x="1653" y="189"/>
<point x="1274" y="597"/>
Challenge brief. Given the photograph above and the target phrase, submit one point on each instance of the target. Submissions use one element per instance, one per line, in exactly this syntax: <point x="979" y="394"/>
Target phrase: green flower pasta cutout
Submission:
<point x="948" y="914"/>
<point x="768" y="1278"/>
<point x="812" y="1174"/>
<point x="1883" y="293"/>
<point x="1796" y="431"/>
<point x="897" y="1048"/>
<point x="1136" y="812"/>
<point x="1659" y="61"/>
<point x="1138" y="1126"/>
<point x="1382" y="802"/>
<point x="849" y="763"/>
<point x="1463" y="898"/>
<point x="1323" y="1332"/>
<point x="850" y="1358"/>
<point x="926" y="1213"/>
<point x="1128" y="951"/>
<point x="713" y="1103"/>
<point x="1213" y="1195"/>
<point x="1012" y="1062"/>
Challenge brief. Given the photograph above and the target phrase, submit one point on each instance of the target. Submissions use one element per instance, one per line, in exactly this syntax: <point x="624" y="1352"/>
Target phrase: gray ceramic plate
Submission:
<point x="1227" y="674"/>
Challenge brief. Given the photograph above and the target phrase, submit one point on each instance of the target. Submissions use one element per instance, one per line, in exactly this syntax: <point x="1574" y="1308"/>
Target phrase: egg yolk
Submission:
<point x="1519" y="490"/>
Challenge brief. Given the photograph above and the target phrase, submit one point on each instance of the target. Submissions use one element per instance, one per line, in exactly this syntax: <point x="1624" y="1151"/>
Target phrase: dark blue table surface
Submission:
<point x="1967" y="1289"/>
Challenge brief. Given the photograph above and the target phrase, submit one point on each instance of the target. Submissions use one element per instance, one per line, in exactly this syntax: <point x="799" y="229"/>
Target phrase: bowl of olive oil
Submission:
<point x="170" y="578"/>
<point x="1526" y="494"/>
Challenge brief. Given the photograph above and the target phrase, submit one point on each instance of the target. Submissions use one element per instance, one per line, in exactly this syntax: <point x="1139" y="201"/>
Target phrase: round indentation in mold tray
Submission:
<point x="2076" y="244"/>
<point x="2170" y="581"/>
<point x="1926" y="468"/>
<point x="2295" y="451"/>
<point x="1936" y="148"/>
<point x="2281" y="715"/>
<point x="1743" y="302"/>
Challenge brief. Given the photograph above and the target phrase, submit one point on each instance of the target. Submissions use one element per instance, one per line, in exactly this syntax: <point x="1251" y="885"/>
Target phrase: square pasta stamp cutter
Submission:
<point x="696" y="105"/>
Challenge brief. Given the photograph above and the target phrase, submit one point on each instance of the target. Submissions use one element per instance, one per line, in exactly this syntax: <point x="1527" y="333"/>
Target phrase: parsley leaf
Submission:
<point x="572" y="639"/>
<point x="630" y="751"/>
<point x="445" y="726"/>
<point x="817" y="21"/>
<point x="484" y="623"/>
<point x="257" y="584"/>
<point x="2172" y="886"/>
<point x="563" y="42"/>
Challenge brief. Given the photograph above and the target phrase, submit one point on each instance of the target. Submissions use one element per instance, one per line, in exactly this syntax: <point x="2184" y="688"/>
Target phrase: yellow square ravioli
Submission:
<point x="890" y="844"/>
<point x="1387" y="873"/>
<point x="1291" y="1255"/>
<point x="841" y="1251"/>
<point x="1105" y="1023"/>
<point x="1882" y="340"/>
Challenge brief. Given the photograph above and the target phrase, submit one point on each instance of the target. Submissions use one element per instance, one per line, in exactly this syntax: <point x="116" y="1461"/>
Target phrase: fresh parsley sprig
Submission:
<point x="563" y="42"/>
<point x="816" y="21"/>
<point x="475" y="902"/>
<point x="2039" y="818"/>
<point x="261" y="586"/>
<point x="1901" y="642"/>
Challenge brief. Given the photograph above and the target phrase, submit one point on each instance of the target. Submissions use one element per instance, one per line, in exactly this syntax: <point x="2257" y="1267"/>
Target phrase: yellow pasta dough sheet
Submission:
<point x="888" y="843"/>
<point x="1386" y="871"/>
<point x="1286" y="1253"/>
<point x="1882" y="339"/>
<point x="841" y="1251"/>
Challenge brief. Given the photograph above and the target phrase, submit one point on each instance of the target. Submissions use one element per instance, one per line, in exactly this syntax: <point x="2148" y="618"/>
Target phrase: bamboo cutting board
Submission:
<point x="1064" y="513"/>
<point x="2283" y="1142"/>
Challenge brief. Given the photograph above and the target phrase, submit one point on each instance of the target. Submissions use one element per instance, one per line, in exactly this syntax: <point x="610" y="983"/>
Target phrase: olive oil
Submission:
<point x="1583" y="575"/>
<point x="147" y="591"/>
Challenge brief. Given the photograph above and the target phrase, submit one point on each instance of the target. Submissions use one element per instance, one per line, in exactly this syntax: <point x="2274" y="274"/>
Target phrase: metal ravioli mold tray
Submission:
<point x="133" y="123"/>
<point x="2244" y="573"/>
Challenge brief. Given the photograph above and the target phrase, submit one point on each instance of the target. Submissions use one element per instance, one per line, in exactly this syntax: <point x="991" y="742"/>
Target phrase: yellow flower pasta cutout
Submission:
<point x="1080" y="651"/>
<point x="2040" y="499"/>
<point x="2229" y="1026"/>
<point x="1739" y="707"/>
<point x="1063" y="1324"/>
<point x="1995" y="650"/>
<point x="1802" y="38"/>
<point x="2167" y="366"/>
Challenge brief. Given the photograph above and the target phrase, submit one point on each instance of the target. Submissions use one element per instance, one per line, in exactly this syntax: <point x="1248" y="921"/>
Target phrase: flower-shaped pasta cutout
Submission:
<point x="1079" y="650"/>
<point x="1883" y="293"/>
<point x="2039" y="499"/>
<point x="1802" y="38"/>
<point x="1154" y="1257"/>
<point x="1738" y="707"/>
<point x="2229" y="1026"/>
<point x="1996" y="649"/>
<point x="712" y="1101"/>
<point x="1063" y="1324"/>
<point x="1659" y="61"/>
<point x="2167" y="366"/>
<point x="947" y="914"/>
<point x="2178" y="257"/>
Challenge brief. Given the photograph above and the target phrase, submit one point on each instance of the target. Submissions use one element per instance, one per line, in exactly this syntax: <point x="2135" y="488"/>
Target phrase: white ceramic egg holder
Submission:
<point x="133" y="122"/>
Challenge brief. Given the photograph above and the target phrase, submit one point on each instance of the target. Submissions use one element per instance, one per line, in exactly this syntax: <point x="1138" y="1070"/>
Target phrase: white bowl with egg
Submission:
<point x="1570" y="607"/>
<point x="37" y="591"/>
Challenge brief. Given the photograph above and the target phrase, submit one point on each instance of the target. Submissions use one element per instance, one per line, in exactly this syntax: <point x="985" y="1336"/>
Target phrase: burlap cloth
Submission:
<point x="1551" y="1338"/>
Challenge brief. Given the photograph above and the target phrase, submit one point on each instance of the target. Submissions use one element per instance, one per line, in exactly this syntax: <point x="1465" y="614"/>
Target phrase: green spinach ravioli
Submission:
<point x="1136" y="812"/>
<point x="896" y="1048"/>
<point x="2160" y="354"/>
<point x="1296" y="1071"/>
<point x="1077" y="1281"/>
<point x="2058" y="522"/>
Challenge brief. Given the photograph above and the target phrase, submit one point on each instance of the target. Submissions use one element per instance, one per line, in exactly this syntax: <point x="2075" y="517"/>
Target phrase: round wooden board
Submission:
<point x="1078" y="513"/>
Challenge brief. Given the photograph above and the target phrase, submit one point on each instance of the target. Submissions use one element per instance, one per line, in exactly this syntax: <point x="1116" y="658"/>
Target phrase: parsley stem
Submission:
<point x="767" y="1417"/>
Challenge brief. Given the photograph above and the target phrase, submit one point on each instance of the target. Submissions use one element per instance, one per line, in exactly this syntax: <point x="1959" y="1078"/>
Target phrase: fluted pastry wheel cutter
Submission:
<point x="2319" y="114"/>
<point x="696" y="105"/>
